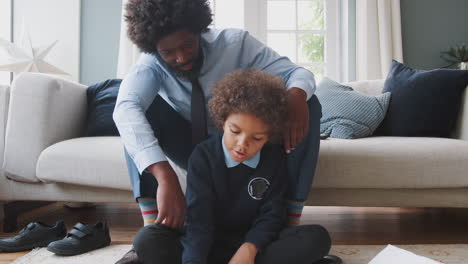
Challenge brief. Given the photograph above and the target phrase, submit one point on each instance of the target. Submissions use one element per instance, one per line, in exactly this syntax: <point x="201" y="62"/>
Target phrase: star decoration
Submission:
<point x="25" y="57"/>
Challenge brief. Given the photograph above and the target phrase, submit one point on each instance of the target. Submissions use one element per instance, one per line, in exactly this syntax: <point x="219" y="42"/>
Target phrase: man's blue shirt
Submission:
<point x="224" y="51"/>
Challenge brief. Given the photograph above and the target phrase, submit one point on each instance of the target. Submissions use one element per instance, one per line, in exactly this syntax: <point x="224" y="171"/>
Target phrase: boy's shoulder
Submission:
<point x="209" y="149"/>
<point x="212" y="143"/>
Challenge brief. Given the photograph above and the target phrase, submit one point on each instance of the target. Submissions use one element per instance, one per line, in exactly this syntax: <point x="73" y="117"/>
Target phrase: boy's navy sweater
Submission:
<point x="218" y="199"/>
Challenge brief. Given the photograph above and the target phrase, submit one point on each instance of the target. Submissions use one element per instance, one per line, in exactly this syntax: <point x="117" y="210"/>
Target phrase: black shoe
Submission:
<point x="129" y="258"/>
<point x="35" y="234"/>
<point x="329" y="259"/>
<point x="81" y="239"/>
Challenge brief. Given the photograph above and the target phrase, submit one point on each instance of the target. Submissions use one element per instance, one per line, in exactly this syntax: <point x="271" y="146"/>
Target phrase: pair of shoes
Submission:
<point x="81" y="239"/>
<point x="329" y="259"/>
<point x="35" y="234"/>
<point x="129" y="258"/>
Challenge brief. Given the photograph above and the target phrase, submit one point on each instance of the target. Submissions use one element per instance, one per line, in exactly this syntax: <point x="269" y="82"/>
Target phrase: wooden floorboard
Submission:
<point x="347" y="225"/>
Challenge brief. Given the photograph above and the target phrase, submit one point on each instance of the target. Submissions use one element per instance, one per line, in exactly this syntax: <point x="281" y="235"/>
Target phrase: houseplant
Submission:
<point x="456" y="55"/>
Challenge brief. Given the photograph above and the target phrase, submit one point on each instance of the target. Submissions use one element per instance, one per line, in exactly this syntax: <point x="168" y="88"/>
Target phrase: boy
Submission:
<point x="236" y="185"/>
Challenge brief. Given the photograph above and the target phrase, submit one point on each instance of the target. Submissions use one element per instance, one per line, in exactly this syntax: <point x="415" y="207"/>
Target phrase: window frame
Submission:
<point x="255" y="21"/>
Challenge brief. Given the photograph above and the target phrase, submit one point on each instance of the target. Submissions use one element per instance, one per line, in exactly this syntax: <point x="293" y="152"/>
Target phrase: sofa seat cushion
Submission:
<point x="392" y="162"/>
<point x="89" y="161"/>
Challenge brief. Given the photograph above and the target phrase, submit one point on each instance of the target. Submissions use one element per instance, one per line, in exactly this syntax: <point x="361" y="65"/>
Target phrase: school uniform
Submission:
<point x="228" y="204"/>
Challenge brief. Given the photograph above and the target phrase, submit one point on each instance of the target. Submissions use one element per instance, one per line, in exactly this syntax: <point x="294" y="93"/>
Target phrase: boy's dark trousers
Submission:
<point x="174" y="135"/>
<point x="155" y="244"/>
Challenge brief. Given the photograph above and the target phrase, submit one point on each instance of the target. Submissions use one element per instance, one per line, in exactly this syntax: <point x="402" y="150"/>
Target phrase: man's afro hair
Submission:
<point x="150" y="20"/>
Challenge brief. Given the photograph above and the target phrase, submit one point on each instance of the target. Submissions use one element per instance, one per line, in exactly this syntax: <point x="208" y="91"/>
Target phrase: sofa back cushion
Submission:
<point x="369" y="87"/>
<point x="424" y="103"/>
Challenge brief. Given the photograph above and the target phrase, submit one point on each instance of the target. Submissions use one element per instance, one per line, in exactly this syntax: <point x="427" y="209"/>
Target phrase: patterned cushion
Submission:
<point x="347" y="113"/>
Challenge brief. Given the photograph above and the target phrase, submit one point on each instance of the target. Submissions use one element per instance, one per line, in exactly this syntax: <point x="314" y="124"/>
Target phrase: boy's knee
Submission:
<point x="319" y="237"/>
<point x="158" y="244"/>
<point x="143" y="238"/>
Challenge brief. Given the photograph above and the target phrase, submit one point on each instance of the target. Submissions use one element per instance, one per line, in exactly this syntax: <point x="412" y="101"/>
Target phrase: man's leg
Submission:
<point x="302" y="162"/>
<point x="297" y="244"/>
<point x="174" y="135"/>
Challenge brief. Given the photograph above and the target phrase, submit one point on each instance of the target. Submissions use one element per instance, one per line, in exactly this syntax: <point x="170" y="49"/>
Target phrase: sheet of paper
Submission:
<point x="392" y="255"/>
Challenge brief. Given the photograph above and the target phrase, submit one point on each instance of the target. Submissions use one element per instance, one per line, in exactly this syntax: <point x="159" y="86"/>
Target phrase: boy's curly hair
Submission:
<point x="150" y="20"/>
<point x="254" y="92"/>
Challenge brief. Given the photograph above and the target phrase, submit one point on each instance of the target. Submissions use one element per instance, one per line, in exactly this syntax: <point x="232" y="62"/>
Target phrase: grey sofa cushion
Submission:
<point x="347" y="113"/>
<point x="90" y="161"/>
<point x="392" y="162"/>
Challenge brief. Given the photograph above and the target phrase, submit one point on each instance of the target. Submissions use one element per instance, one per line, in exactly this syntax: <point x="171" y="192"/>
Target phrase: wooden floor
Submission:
<point x="347" y="225"/>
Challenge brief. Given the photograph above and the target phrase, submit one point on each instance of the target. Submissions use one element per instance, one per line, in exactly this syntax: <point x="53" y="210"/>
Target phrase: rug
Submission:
<point x="360" y="254"/>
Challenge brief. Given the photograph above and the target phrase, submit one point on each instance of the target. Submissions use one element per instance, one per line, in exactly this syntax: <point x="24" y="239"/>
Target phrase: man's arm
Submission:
<point x="255" y="54"/>
<point x="170" y="198"/>
<point x="136" y="93"/>
<point x="299" y="81"/>
<point x="298" y="118"/>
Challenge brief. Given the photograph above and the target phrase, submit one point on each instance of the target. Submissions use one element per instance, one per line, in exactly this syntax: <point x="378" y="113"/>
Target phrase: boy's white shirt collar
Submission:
<point x="252" y="162"/>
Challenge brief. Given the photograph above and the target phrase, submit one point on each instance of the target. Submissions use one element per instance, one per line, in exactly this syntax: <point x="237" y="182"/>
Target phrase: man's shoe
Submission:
<point x="35" y="234"/>
<point x="129" y="258"/>
<point x="81" y="239"/>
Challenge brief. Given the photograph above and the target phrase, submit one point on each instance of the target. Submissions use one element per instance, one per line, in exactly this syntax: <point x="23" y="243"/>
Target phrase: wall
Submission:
<point x="100" y="30"/>
<point x="428" y="27"/>
<point x="431" y="26"/>
<point x="47" y="21"/>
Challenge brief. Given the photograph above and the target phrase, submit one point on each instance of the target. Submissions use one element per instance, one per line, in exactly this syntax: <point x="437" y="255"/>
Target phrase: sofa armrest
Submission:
<point x="43" y="110"/>
<point x="461" y="130"/>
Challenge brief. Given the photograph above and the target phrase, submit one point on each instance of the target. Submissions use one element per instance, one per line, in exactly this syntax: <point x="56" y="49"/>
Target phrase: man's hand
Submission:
<point x="169" y="198"/>
<point x="298" y="119"/>
<point x="245" y="254"/>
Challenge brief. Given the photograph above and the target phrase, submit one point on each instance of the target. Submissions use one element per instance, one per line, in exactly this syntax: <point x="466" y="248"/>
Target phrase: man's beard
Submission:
<point x="192" y="73"/>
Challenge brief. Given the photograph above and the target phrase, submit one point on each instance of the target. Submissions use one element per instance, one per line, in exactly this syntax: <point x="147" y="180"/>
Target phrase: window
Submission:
<point x="304" y="30"/>
<point x="5" y="33"/>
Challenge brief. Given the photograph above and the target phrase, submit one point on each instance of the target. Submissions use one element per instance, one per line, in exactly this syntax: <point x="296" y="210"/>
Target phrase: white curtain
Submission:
<point x="128" y="52"/>
<point x="378" y="37"/>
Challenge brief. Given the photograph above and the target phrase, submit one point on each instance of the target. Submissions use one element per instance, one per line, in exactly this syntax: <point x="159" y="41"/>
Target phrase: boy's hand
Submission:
<point x="169" y="198"/>
<point x="298" y="119"/>
<point x="245" y="254"/>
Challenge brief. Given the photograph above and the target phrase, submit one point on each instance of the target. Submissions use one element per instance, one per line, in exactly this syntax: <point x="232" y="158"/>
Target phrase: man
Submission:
<point x="161" y="107"/>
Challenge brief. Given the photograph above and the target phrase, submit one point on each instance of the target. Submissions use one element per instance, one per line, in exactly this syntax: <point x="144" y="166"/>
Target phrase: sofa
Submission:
<point x="46" y="158"/>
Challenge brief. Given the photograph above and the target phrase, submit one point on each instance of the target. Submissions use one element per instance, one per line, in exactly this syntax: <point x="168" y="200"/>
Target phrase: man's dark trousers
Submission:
<point x="174" y="135"/>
